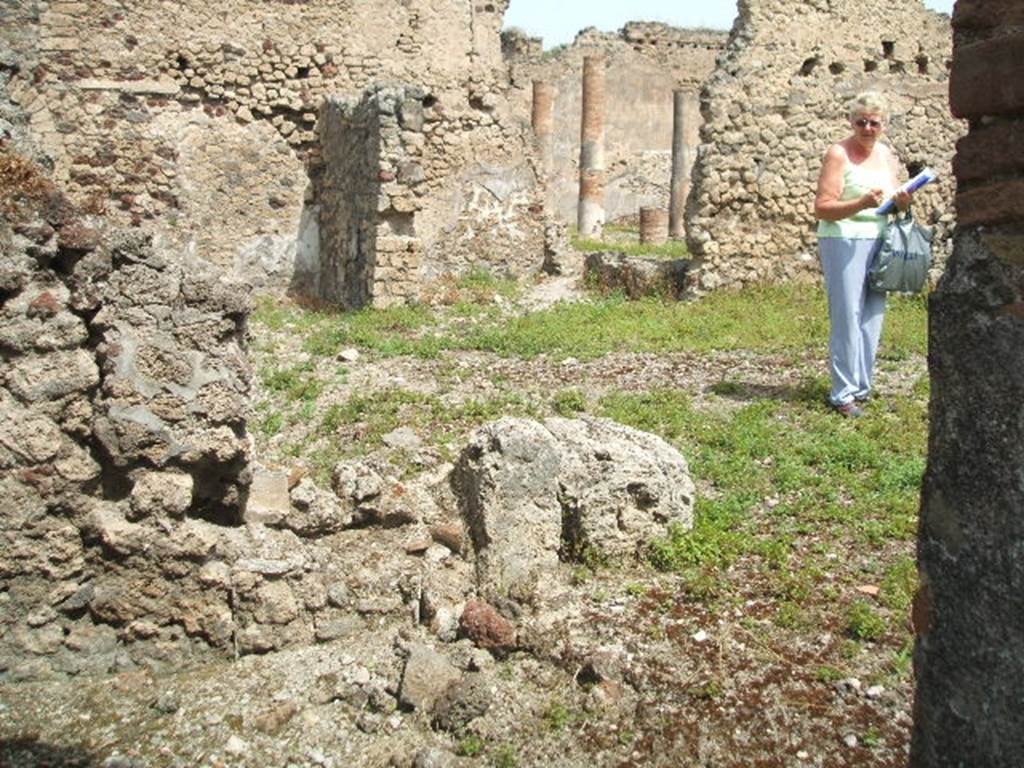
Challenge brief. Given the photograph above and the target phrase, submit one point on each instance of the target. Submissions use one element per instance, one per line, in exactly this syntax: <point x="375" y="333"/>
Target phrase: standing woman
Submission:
<point x="857" y="175"/>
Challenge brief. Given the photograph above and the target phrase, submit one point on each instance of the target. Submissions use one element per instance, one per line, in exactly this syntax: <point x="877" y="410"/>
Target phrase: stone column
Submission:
<point x="969" y="609"/>
<point x="590" y="214"/>
<point x="543" y="122"/>
<point x="685" y="138"/>
<point x="653" y="226"/>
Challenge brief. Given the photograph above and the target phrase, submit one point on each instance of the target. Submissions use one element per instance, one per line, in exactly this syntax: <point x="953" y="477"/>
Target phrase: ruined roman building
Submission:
<point x="159" y="162"/>
<point x="969" y="613"/>
<point x="645" y="62"/>
<point x="778" y="99"/>
<point x="224" y="129"/>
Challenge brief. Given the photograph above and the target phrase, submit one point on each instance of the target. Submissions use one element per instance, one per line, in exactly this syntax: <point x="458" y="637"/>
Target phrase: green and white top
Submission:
<point x="858" y="181"/>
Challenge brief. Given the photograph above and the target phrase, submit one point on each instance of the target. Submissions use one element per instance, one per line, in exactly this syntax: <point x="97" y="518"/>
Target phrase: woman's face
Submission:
<point x="867" y="126"/>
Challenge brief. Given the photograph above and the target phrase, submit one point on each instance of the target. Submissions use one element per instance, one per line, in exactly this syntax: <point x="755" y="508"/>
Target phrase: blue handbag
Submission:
<point x="903" y="257"/>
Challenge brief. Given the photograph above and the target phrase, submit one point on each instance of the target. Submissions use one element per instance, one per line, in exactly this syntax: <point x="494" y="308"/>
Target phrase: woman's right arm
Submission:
<point x="827" y="205"/>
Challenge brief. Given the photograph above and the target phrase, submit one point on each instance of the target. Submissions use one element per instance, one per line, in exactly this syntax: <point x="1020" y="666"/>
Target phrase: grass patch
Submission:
<point x="854" y="484"/>
<point x="790" y="319"/>
<point x="863" y="622"/>
<point x="470" y="745"/>
<point x="625" y="239"/>
<point x="295" y="383"/>
<point x="569" y="402"/>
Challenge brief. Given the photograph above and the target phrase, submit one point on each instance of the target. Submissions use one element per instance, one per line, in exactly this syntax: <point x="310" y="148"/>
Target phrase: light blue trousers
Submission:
<point x="855" y="313"/>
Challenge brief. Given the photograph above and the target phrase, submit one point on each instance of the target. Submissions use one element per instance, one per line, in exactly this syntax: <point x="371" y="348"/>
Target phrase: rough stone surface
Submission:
<point x="778" y="99"/>
<point x="123" y="452"/>
<point x="533" y="494"/>
<point x="426" y="677"/>
<point x="487" y="628"/>
<point x="461" y="702"/>
<point x="969" y="610"/>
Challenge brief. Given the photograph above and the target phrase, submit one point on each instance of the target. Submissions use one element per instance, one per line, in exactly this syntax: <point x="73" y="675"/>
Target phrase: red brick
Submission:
<point x="992" y="150"/>
<point x="987" y="14"/>
<point x="487" y="628"/>
<point x="1001" y="202"/>
<point x="988" y="78"/>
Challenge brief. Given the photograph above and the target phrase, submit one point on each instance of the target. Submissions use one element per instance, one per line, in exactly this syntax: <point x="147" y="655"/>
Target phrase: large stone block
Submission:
<point x="990" y="150"/>
<point x="987" y="14"/>
<point x="534" y="494"/>
<point x="986" y="78"/>
<point x="998" y="202"/>
<point x="507" y="483"/>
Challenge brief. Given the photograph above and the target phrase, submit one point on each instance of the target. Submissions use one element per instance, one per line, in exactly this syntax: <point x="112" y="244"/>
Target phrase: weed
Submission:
<point x="270" y="424"/>
<point x="635" y="589"/>
<point x="872" y="737"/>
<point x="505" y="757"/>
<point x="899" y="584"/>
<point x="569" y="402"/>
<point x="864" y="623"/>
<point x="482" y="285"/>
<point x="470" y="745"/>
<point x="581" y="574"/>
<point x="712" y="689"/>
<point x="727" y="388"/>
<point x="791" y="616"/>
<point x="827" y="674"/>
<point x="626" y="241"/>
<point x="712" y="542"/>
<point x="902" y="663"/>
<point x="557" y="716"/>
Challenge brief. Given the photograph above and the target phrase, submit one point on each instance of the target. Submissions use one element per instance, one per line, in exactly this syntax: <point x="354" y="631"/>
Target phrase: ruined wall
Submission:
<point x="778" y="100"/>
<point x="130" y="533"/>
<point x="969" y="613"/>
<point x="646" y="63"/>
<point x="197" y="121"/>
<point x="123" y="399"/>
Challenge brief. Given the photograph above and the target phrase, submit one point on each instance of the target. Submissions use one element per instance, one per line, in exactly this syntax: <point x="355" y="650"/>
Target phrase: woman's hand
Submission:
<point x="903" y="200"/>
<point x="871" y="199"/>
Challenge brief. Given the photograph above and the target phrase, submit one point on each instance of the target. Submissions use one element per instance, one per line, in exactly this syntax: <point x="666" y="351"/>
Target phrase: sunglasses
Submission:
<point x="864" y="122"/>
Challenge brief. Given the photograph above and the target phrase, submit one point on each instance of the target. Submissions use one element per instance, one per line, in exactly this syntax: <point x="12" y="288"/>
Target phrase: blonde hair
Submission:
<point x="868" y="103"/>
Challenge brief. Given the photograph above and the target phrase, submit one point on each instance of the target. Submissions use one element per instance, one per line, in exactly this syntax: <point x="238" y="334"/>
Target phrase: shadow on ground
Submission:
<point x="30" y="753"/>
<point x="801" y="392"/>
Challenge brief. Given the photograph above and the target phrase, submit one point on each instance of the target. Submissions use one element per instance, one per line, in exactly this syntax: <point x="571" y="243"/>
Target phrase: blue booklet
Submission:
<point x="924" y="177"/>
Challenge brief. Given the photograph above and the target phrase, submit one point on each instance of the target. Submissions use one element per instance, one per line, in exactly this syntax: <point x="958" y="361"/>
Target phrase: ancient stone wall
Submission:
<point x="123" y="400"/>
<point x="778" y="100"/>
<point x="969" y="613"/>
<point x="197" y="121"/>
<point x="646" y="63"/>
